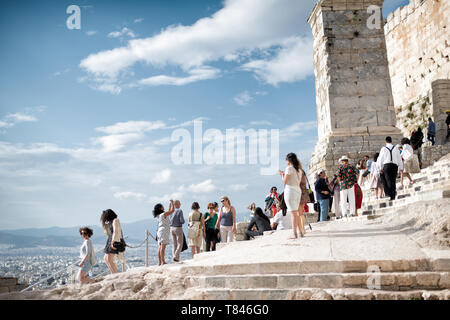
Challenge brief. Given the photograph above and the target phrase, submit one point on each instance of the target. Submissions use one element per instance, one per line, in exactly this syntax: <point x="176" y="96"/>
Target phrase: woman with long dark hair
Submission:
<point x="262" y="223"/>
<point x="294" y="179"/>
<point x="112" y="228"/>
<point x="163" y="233"/>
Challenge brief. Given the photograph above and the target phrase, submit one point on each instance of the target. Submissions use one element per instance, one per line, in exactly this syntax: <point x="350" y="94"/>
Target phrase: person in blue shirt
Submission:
<point x="431" y="131"/>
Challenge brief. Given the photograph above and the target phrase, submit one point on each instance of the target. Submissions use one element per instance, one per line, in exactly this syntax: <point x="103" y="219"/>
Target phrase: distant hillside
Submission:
<point x="68" y="237"/>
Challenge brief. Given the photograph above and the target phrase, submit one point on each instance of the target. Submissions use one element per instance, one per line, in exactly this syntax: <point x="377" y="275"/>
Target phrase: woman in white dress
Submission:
<point x="292" y="177"/>
<point x="408" y="161"/>
<point x="163" y="233"/>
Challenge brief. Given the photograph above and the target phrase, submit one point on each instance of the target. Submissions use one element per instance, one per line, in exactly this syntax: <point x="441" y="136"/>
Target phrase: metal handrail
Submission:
<point x="147" y="233"/>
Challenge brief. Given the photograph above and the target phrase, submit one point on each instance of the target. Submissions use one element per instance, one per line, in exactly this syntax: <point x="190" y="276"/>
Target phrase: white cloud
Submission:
<point x="162" y="176"/>
<point x="292" y="63"/>
<point x="188" y="123"/>
<point x="108" y="87"/>
<point x="163" y="141"/>
<point x="131" y="126"/>
<point x="243" y="98"/>
<point x="202" y="187"/>
<point x="11" y="119"/>
<point x="240" y="29"/>
<point x="261" y="123"/>
<point x="4" y="124"/>
<point x="297" y="129"/>
<point x="197" y="74"/>
<point x="115" y="142"/>
<point x="124" y="32"/>
<point x="238" y="187"/>
<point x="129" y="195"/>
<point x="91" y="32"/>
<point x="138" y="20"/>
<point x="167" y="197"/>
<point x="21" y="117"/>
<point x="59" y="73"/>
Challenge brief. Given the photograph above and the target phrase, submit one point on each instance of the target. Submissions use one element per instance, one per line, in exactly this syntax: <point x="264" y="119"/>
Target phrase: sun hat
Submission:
<point x="343" y="158"/>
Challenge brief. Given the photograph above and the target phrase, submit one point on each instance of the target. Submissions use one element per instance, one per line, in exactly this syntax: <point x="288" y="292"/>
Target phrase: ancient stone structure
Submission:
<point x="354" y="101"/>
<point x="374" y="82"/>
<point x="418" y="48"/>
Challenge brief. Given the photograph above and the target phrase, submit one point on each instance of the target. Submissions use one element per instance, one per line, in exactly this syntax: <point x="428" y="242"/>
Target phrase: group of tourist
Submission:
<point x="212" y="226"/>
<point x="283" y="211"/>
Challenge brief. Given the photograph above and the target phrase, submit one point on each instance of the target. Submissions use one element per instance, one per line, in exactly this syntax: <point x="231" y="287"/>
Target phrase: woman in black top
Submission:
<point x="262" y="223"/>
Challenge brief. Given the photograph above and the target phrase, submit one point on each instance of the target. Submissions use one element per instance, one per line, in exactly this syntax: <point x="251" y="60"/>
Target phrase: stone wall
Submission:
<point x="353" y="92"/>
<point x="418" y="48"/>
<point x="10" y="285"/>
<point x="441" y="102"/>
<point x="431" y="154"/>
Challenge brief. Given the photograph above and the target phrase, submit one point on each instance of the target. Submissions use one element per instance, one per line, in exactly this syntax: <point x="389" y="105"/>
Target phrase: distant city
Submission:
<point x="31" y="265"/>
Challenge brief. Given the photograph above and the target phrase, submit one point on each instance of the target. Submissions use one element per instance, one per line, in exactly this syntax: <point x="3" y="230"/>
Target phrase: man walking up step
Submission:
<point x="389" y="162"/>
<point x="347" y="176"/>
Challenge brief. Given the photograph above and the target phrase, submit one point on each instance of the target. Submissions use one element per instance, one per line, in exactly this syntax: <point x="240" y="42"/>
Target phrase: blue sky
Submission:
<point x="86" y="115"/>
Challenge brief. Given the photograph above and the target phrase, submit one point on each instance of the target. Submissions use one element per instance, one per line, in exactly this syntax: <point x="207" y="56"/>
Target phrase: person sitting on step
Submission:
<point x="262" y="223"/>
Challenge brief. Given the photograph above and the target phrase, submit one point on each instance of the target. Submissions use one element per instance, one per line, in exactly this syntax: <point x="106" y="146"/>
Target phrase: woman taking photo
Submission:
<point x="196" y="230"/>
<point x="293" y="177"/>
<point x="226" y="220"/>
<point x="163" y="233"/>
<point x="111" y="227"/>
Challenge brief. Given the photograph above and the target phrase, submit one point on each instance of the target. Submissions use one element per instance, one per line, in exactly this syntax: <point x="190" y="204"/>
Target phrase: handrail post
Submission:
<point x="146" y="248"/>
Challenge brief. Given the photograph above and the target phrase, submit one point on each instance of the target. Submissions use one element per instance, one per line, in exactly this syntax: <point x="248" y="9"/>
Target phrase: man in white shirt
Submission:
<point x="282" y="222"/>
<point x="389" y="162"/>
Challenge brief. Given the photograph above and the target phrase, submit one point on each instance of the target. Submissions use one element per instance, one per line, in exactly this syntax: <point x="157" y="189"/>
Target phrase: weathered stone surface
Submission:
<point x="427" y="279"/>
<point x="444" y="281"/>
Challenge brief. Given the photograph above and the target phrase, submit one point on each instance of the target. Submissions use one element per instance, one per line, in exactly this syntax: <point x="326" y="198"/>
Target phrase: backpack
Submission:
<point x="194" y="228"/>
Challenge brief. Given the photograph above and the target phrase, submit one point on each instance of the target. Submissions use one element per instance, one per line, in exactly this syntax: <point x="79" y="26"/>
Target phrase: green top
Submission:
<point x="211" y="223"/>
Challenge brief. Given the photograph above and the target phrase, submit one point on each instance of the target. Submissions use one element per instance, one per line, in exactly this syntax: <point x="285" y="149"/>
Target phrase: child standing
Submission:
<point x="87" y="256"/>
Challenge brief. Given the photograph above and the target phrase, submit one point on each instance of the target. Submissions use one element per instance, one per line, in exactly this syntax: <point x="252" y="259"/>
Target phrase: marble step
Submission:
<point x="369" y="195"/>
<point x="442" y="185"/>
<point x="391" y="281"/>
<point x="421" y="196"/>
<point x="307" y="267"/>
<point x="317" y="294"/>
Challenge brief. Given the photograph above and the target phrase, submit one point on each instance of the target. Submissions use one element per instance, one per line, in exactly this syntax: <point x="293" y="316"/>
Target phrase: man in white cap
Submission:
<point x="389" y="163"/>
<point x="347" y="176"/>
